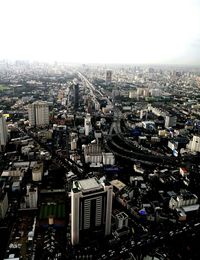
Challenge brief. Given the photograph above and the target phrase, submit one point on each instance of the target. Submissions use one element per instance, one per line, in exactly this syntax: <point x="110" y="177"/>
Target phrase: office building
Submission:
<point x="3" y="131"/>
<point x="76" y="96"/>
<point x="38" y="113"/>
<point x="91" y="209"/>
<point x="108" y="77"/>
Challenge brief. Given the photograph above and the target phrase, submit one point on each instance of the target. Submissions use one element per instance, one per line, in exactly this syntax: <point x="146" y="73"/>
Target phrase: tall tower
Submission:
<point x="38" y="113"/>
<point x="3" y="130"/>
<point x="108" y="77"/>
<point x="91" y="209"/>
<point x="76" y="96"/>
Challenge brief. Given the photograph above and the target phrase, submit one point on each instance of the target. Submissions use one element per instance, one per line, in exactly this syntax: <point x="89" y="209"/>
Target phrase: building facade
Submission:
<point x="194" y="144"/>
<point x="3" y="130"/>
<point x="170" y="121"/>
<point x="38" y="113"/>
<point x="87" y="124"/>
<point x="76" y="96"/>
<point x="108" y="158"/>
<point x="3" y="204"/>
<point x="91" y="209"/>
<point x="108" y="77"/>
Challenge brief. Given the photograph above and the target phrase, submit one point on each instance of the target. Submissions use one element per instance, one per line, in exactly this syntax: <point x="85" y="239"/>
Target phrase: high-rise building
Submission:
<point x="31" y="196"/>
<point x="93" y="153"/>
<point x="91" y="209"/>
<point x="108" y="77"/>
<point x="194" y="144"/>
<point x="87" y="124"/>
<point x="38" y="113"/>
<point x="3" y="130"/>
<point x="3" y="204"/>
<point x="76" y="96"/>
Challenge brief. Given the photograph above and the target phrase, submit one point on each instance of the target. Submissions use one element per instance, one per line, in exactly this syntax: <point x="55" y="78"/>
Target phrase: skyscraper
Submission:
<point x="108" y="77"/>
<point x="38" y="113"/>
<point x="76" y="95"/>
<point x="91" y="208"/>
<point x="3" y="130"/>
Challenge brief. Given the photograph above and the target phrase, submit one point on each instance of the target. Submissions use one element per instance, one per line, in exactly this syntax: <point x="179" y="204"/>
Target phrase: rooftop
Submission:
<point x="89" y="184"/>
<point x="118" y="184"/>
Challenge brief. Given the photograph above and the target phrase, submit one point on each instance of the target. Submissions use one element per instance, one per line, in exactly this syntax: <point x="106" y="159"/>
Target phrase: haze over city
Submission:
<point x="101" y="31"/>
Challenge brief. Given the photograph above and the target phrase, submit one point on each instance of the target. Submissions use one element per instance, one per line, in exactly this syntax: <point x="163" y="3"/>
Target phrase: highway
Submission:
<point x="92" y="89"/>
<point x="134" y="152"/>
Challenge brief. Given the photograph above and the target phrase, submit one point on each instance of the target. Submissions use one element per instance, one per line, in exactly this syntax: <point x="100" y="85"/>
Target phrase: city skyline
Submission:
<point x="155" y="32"/>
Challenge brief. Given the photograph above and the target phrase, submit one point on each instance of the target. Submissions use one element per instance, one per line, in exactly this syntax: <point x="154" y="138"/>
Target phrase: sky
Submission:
<point x="101" y="31"/>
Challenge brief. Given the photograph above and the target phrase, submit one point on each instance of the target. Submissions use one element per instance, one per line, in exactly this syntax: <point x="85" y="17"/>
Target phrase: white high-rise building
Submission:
<point x="38" y="113"/>
<point x="194" y="144"/>
<point x="87" y="124"/>
<point x="91" y="208"/>
<point x="3" y="130"/>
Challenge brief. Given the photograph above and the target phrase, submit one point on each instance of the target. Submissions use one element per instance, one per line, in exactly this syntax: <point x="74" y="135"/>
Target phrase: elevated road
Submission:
<point x="132" y="152"/>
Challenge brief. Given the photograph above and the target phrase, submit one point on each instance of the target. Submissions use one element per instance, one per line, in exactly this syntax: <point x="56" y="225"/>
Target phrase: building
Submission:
<point x="194" y="144"/>
<point x="3" y="131"/>
<point x="155" y="92"/>
<point x="117" y="185"/>
<point x="91" y="209"/>
<point x="93" y="153"/>
<point x="73" y="144"/>
<point x="108" y="77"/>
<point x="170" y="121"/>
<point x="132" y="94"/>
<point x="185" y="198"/>
<point x="38" y="113"/>
<point x="37" y="172"/>
<point x="3" y="204"/>
<point x="108" y="158"/>
<point x="121" y="220"/>
<point x="87" y="124"/>
<point x="31" y="196"/>
<point x="76" y="95"/>
<point x="122" y="228"/>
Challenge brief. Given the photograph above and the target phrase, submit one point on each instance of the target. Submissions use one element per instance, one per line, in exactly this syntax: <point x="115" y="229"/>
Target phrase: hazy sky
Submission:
<point x="113" y="31"/>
